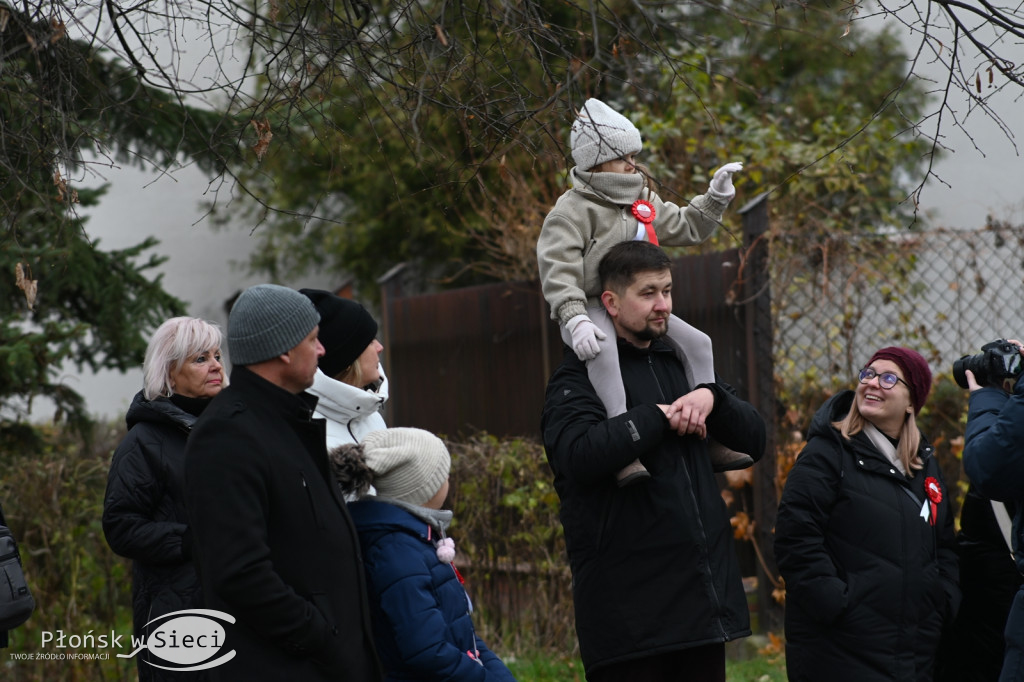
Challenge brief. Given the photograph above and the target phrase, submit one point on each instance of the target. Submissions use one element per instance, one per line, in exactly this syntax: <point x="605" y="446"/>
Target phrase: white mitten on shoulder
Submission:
<point x="585" y="336"/>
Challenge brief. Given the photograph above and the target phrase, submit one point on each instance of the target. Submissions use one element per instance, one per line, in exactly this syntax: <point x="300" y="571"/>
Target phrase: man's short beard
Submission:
<point x="648" y="333"/>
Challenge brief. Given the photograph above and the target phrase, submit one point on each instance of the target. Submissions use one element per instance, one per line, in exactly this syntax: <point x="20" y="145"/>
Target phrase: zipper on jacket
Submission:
<point x="700" y="520"/>
<point x="654" y="375"/>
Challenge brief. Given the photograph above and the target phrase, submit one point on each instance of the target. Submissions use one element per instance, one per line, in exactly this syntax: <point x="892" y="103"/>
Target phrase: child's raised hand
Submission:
<point x="721" y="183"/>
<point x="585" y="336"/>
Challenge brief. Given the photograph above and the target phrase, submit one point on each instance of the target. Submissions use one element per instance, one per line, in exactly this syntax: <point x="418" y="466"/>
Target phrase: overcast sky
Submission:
<point x="203" y="267"/>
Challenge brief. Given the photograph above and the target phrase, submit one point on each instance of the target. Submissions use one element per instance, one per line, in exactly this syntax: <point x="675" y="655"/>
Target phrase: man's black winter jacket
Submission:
<point x="653" y="564"/>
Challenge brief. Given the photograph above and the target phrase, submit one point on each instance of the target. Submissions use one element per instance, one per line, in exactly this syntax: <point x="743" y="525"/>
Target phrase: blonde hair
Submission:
<point x="173" y="343"/>
<point x="909" y="441"/>
<point x="352" y="375"/>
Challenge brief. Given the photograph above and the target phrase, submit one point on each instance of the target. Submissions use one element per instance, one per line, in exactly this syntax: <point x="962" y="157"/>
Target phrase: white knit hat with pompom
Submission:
<point x="408" y="464"/>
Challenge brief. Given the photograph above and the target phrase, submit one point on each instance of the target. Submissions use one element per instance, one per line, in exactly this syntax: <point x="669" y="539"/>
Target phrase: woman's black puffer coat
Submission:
<point x="870" y="582"/>
<point x="144" y="516"/>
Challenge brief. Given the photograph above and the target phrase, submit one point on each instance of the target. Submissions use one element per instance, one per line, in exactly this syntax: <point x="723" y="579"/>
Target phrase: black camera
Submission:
<point x="997" y="360"/>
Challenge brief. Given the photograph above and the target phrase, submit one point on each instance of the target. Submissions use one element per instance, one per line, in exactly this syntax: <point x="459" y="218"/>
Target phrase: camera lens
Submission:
<point x="975" y="363"/>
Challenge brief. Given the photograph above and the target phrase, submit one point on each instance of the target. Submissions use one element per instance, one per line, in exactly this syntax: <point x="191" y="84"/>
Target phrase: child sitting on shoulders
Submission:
<point x="610" y="202"/>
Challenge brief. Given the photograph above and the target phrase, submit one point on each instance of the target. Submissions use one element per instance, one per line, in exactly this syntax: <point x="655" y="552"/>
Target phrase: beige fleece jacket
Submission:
<point x="586" y="223"/>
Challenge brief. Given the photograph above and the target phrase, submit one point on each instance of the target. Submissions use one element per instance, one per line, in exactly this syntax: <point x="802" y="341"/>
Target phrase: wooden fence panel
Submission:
<point x="470" y="359"/>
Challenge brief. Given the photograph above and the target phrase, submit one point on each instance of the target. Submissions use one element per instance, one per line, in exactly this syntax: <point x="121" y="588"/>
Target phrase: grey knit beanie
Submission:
<point x="408" y="464"/>
<point x="602" y="134"/>
<point x="268" y="320"/>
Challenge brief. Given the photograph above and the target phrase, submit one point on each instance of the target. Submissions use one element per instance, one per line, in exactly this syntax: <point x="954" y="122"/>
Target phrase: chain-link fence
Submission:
<point x="941" y="292"/>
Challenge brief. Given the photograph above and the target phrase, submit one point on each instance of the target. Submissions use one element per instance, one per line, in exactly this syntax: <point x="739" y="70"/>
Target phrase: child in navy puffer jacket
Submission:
<point x="422" y="621"/>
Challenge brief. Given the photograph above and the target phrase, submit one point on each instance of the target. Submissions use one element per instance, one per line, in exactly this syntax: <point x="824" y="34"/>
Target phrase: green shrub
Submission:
<point x="511" y="547"/>
<point x="52" y="494"/>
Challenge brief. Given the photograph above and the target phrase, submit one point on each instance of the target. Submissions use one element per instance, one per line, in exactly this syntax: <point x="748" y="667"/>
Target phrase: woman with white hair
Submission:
<point x="144" y="506"/>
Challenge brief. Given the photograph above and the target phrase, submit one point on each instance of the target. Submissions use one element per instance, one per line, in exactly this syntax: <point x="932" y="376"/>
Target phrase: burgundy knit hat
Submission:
<point x="915" y="372"/>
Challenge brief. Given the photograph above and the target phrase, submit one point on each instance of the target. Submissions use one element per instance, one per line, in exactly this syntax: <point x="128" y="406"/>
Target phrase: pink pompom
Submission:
<point x="446" y="550"/>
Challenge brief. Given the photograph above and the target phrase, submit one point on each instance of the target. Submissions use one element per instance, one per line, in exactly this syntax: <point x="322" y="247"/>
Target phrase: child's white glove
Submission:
<point x="585" y="336"/>
<point x="721" y="182"/>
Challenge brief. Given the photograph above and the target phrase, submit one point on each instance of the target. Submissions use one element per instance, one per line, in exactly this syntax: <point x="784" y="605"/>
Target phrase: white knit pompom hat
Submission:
<point x="602" y="134"/>
<point x="408" y="464"/>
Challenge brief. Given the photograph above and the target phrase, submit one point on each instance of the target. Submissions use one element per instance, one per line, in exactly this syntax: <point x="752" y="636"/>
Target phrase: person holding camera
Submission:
<point x="994" y="457"/>
<point x="864" y="536"/>
<point x="972" y="647"/>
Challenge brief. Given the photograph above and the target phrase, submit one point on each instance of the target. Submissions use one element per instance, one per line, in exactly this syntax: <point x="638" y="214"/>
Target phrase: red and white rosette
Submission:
<point x="644" y="212"/>
<point x="934" y="492"/>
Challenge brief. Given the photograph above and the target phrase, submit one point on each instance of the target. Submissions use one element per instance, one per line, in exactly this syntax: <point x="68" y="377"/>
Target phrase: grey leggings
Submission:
<point x="691" y="345"/>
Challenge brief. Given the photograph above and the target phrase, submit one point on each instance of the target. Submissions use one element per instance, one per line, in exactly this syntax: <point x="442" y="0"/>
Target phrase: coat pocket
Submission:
<point x="825" y="598"/>
<point x="323" y="605"/>
<point x="314" y="508"/>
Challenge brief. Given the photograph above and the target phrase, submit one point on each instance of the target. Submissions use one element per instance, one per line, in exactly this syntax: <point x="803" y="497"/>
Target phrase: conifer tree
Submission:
<point x="68" y="302"/>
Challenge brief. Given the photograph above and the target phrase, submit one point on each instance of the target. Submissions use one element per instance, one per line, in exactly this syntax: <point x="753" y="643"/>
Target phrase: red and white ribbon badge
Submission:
<point x="644" y="212"/>
<point x="934" y="491"/>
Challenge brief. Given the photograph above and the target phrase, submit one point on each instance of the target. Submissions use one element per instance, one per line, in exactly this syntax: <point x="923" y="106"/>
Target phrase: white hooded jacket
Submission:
<point x="351" y="412"/>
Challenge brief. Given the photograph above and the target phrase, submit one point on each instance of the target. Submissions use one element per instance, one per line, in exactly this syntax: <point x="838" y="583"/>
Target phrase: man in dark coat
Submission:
<point x="275" y="545"/>
<point x="994" y="462"/>
<point x="656" y="582"/>
<point x="972" y="648"/>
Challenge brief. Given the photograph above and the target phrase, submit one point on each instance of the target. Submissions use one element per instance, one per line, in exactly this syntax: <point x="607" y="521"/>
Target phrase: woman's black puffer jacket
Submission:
<point x="144" y="516"/>
<point x="870" y="581"/>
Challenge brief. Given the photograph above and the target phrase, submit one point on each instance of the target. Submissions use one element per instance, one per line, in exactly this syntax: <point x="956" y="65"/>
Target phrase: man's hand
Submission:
<point x="689" y="413"/>
<point x="585" y="336"/>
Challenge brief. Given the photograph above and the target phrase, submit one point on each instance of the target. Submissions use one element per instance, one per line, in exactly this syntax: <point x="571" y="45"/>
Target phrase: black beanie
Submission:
<point x="346" y="329"/>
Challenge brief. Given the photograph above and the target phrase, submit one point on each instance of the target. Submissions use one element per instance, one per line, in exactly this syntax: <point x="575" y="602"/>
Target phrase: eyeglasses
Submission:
<point x="885" y="379"/>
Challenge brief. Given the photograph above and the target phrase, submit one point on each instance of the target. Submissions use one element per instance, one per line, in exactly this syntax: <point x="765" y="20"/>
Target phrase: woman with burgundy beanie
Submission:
<point x="864" y="537"/>
<point x="350" y="383"/>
